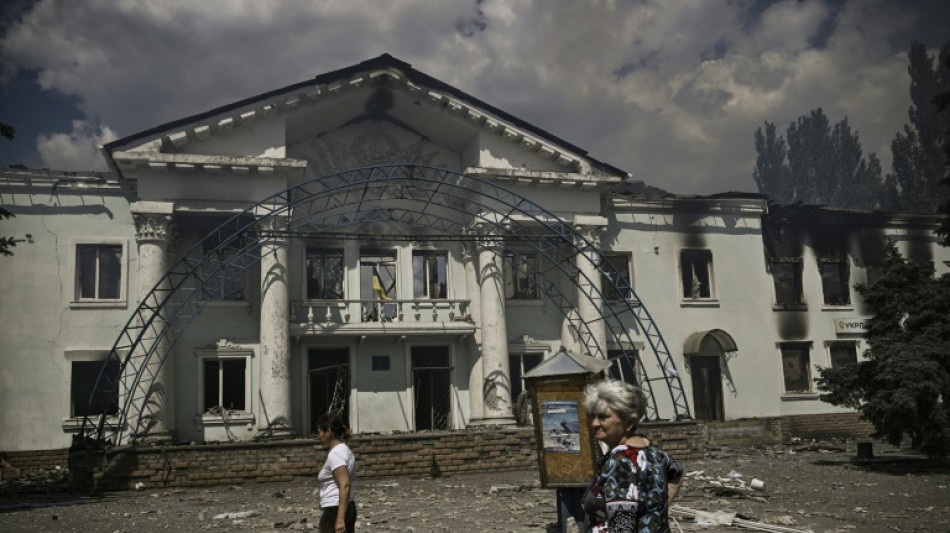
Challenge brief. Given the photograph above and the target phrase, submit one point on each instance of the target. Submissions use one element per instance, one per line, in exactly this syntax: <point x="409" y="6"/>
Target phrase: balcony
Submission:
<point x="381" y="317"/>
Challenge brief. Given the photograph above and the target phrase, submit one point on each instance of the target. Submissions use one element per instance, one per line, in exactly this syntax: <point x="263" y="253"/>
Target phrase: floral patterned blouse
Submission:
<point x="629" y="493"/>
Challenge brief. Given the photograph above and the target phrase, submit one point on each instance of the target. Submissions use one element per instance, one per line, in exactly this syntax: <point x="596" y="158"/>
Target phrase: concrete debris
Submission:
<point x="730" y="485"/>
<point x="235" y="515"/>
<point x="39" y="480"/>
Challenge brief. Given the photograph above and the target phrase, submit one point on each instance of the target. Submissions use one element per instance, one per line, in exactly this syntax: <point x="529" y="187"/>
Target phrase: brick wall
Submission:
<point x="685" y="440"/>
<point x="38" y="459"/>
<point x="121" y="468"/>
<point x="747" y="431"/>
<point x="829" y="425"/>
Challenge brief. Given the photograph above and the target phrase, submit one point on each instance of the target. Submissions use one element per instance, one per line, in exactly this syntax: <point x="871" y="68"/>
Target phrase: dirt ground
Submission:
<point x="808" y="486"/>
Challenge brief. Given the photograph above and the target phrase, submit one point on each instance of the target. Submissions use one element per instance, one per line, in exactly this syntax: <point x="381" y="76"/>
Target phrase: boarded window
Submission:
<point x="696" y="272"/>
<point x="796" y="367"/>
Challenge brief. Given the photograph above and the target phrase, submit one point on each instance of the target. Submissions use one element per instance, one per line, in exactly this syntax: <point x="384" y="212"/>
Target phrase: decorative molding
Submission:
<point x="593" y="234"/>
<point x="151" y="227"/>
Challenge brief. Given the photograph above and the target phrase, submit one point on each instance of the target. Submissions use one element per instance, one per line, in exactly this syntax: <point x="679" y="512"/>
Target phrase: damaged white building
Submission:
<point x="376" y="242"/>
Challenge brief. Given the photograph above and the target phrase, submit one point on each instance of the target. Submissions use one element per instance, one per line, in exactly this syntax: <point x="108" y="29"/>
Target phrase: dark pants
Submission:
<point x="328" y="518"/>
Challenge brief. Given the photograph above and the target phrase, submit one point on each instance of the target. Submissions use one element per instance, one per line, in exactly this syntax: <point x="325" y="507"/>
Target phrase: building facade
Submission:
<point x="432" y="250"/>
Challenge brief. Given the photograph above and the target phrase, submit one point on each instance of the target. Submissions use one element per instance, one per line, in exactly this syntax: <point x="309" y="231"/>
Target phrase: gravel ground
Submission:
<point x="807" y="486"/>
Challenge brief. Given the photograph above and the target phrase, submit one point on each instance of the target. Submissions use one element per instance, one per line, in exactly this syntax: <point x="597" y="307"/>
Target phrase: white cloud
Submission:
<point x="77" y="150"/>
<point x="670" y="91"/>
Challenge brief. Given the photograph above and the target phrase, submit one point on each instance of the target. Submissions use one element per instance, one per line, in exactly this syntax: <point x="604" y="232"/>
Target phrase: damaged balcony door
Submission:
<point x="329" y="382"/>
<point x="432" y="387"/>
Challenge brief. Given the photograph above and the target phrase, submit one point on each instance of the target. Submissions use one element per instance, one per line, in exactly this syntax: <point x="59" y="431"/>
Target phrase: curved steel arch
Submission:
<point x="441" y="200"/>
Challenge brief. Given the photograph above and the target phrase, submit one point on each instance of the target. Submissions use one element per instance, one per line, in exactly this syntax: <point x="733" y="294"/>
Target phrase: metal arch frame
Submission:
<point x="169" y="307"/>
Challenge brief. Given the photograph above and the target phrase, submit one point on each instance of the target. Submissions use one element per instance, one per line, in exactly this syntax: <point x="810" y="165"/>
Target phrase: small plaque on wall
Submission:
<point x="380" y="363"/>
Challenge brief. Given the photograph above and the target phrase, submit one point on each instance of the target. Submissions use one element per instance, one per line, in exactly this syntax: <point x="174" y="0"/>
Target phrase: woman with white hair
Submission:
<point x="636" y="481"/>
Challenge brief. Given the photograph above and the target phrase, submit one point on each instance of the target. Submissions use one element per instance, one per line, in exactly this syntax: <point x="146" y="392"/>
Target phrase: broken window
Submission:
<point x="835" y="277"/>
<point x="222" y="270"/>
<point x="787" y="279"/>
<point x="329" y="371"/>
<point x="377" y="285"/>
<point x="429" y="274"/>
<point x="624" y="366"/>
<point x="432" y="387"/>
<point x="616" y="281"/>
<point x="521" y="276"/>
<point x="518" y="364"/>
<point x="225" y="383"/>
<point x="99" y="271"/>
<point x="324" y="274"/>
<point x="843" y="354"/>
<point x="696" y="271"/>
<point x="796" y="368"/>
<point x="83" y="383"/>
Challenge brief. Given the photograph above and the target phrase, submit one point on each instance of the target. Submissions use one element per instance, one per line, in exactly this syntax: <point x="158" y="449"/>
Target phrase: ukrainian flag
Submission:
<point x="378" y="285"/>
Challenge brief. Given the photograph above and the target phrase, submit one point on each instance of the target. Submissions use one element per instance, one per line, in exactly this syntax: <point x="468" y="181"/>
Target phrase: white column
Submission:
<point x="496" y="376"/>
<point x="274" y="417"/>
<point x="590" y="302"/>
<point x="476" y="399"/>
<point x="152" y="413"/>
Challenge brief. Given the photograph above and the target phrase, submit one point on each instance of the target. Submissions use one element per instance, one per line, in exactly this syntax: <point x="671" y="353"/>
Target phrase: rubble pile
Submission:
<point x="42" y="480"/>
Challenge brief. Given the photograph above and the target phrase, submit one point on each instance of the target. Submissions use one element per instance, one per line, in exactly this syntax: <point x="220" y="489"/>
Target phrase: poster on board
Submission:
<point x="561" y="426"/>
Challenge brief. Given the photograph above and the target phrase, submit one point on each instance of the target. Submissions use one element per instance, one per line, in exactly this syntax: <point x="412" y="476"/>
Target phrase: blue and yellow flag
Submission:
<point x="378" y="285"/>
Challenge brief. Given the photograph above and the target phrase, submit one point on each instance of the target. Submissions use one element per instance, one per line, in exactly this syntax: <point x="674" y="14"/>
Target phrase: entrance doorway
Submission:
<point x="432" y="387"/>
<point x="329" y="382"/>
<point x="707" y="388"/>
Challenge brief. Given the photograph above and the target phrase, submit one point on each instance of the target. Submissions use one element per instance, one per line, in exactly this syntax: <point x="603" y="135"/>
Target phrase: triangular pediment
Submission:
<point x="377" y="112"/>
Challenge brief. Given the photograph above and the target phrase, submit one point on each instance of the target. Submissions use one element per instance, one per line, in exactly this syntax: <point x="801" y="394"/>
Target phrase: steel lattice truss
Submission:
<point x="445" y="205"/>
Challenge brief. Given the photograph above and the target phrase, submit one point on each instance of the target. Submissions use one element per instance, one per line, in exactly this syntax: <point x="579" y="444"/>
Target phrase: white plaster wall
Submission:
<point x="39" y="324"/>
<point x="383" y="397"/>
<point x="496" y="152"/>
<point x="247" y="188"/>
<point x="740" y="281"/>
<point x="260" y="138"/>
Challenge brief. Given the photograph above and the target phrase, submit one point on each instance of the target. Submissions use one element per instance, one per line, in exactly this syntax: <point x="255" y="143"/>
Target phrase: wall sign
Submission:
<point x="851" y="326"/>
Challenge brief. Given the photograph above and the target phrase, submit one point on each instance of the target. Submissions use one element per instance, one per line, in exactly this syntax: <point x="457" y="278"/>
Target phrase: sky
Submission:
<point x="670" y="91"/>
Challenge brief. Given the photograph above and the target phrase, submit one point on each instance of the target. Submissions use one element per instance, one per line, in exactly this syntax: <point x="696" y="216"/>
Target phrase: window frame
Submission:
<point x="832" y="345"/>
<point x="806" y="347"/>
<point x="427" y="286"/>
<point x="217" y="294"/>
<point x="844" y="269"/>
<point x="324" y="252"/>
<point x="224" y="350"/>
<point x="72" y="422"/>
<point x="77" y="301"/>
<point x="710" y="276"/>
<point x="610" y="294"/>
<point x="509" y="259"/>
<point x="798" y="281"/>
